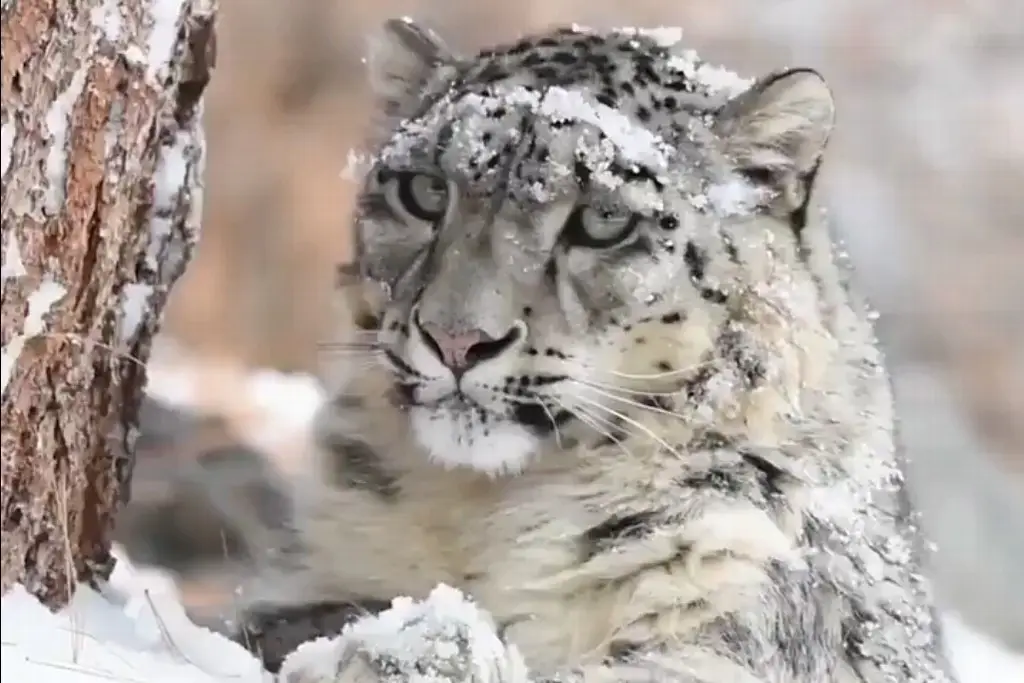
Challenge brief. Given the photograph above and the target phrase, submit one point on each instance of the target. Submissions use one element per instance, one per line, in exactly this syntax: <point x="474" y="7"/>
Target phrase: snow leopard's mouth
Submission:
<point x="538" y="415"/>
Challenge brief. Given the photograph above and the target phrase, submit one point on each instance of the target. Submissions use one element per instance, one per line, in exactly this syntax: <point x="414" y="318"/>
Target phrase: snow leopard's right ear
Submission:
<point x="407" y="64"/>
<point x="777" y="131"/>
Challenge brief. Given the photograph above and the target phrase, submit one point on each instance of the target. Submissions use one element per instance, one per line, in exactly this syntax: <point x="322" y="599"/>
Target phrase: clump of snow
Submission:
<point x="39" y="304"/>
<point x="170" y="180"/>
<point x="170" y="173"/>
<point x="163" y="34"/>
<point x="357" y="165"/>
<point x="633" y="142"/>
<point x="7" y="133"/>
<point x="623" y="139"/>
<point x="134" y="305"/>
<point x="443" y="638"/>
<point x="57" y="120"/>
<point x="734" y="197"/>
<point x="712" y="80"/>
<point x="663" y="36"/>
<point x="12" y="266"/>
<point x="107" y="18"/>
<point x="135" y="631"/>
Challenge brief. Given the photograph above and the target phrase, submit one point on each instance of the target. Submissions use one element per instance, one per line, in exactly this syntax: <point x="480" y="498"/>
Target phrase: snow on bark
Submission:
<point x="102" y="162"/>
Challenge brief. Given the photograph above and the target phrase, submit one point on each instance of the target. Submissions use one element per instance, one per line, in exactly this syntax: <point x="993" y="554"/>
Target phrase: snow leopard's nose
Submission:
<point x="461" y="350"/>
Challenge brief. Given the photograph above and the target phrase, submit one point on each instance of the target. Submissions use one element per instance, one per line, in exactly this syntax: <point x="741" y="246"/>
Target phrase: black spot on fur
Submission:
<point x="356" y="465"/>
<point x="725" y="479"/>
<point x="696" y="386"/>
<point x="541" y="420"/>
<point x="708" y="440"/>
<point x="660" y="402"/>
<point x="772" y="475"/>
<point x="672" y="318"/>
<point x="616" y="529"/>
<point x="715" y="296"/>
<point x="696" y="261"/>
<point x="622" y="650"/>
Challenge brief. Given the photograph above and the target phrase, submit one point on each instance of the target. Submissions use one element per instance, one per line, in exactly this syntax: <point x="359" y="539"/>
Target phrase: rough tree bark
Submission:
<point x="102" y="163"/>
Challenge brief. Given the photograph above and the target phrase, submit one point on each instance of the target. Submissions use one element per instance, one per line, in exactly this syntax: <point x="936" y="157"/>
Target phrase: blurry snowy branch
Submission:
<point x="102" y="162"/>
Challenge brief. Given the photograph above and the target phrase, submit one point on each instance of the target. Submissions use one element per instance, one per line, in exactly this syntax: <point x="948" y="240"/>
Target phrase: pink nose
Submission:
<point x="454" y="349"/>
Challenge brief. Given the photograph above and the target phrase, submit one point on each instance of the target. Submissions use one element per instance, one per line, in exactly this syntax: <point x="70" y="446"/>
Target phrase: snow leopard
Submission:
<point x="608" y="378"/>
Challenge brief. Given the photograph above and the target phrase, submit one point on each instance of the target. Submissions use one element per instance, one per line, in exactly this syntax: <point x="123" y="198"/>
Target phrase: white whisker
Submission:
<point x="554" y="423"/>
<point x="629" y="420"/>
<point x="660" y="375"/>
<point x="592" y="421"/>
<point x="629" y="401"/>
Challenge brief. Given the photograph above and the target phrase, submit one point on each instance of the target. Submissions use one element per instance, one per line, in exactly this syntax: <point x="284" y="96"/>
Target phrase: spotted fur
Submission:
<point x="674" y="460"/>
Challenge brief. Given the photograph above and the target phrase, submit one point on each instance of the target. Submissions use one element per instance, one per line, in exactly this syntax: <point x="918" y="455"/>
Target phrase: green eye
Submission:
<point x="420" y="196"/>
<point x="591" y="228"/>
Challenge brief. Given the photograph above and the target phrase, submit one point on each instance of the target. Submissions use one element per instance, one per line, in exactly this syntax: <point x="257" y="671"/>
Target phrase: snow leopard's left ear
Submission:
<point x="407" y="63"/>
<point x="777" y="130"/>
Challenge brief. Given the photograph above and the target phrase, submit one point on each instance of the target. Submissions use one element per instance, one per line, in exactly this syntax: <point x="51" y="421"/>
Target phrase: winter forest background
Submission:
<point x="924" y="185"/>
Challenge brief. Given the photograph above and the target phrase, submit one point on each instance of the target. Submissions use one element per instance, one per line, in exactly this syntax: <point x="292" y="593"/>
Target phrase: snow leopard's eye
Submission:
<point x="420" y="196"/>
<point x="592" y="228"/>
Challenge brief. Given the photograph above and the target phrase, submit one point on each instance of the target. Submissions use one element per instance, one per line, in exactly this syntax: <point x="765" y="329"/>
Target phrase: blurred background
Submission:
<point x="924" y="184"/>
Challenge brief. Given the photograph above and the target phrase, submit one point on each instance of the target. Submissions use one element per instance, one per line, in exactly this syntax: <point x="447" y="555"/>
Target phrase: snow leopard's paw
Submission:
<point x="443" y="639"/>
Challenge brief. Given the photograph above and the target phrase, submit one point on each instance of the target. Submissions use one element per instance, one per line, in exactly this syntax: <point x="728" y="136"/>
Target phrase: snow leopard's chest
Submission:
<point x="529" y="571"/>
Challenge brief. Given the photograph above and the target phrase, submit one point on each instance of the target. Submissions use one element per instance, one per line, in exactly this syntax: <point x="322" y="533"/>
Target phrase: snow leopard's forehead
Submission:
<point x="536" y="119"/>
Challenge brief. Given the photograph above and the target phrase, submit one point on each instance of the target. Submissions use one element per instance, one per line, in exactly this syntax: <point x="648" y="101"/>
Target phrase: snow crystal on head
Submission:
<point x="632" y="142"/>
<point x="478" y="134"/>
<point x="662" y="36"/>
<point x="709" y="79"/>
<point x="532" y="119"/>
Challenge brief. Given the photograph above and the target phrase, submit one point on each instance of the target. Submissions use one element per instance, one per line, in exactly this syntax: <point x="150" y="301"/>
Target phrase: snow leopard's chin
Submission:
<point x="472" y="437"/>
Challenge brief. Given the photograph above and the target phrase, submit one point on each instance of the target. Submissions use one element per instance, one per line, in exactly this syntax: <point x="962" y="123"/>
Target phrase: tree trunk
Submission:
<point x="102" y="162"/>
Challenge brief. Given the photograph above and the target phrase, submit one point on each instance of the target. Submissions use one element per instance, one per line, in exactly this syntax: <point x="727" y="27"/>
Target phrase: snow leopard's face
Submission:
<point x="552" y="228"/>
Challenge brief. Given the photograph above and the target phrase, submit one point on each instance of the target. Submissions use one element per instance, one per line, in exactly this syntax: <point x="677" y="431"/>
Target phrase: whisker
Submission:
<point x="628" y="401"/>
<point x="660" y="441"/>
<point x="592" y="421"/>
<point x="554" y="423"/>
<point x="627" y="390"/>
<point x="660" y="375"/>
<point x="370" y="346"/>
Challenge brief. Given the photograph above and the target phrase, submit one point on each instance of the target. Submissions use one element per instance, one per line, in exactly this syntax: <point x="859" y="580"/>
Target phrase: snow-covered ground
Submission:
<point x="137" y="630"/>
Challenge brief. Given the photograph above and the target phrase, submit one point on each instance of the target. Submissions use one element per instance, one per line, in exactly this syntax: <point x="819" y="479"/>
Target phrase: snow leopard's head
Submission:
<point x="556" y="231"/>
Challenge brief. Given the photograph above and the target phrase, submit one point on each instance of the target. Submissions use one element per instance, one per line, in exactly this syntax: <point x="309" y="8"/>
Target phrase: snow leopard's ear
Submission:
<point x="407" y="63"/>
<point x="777" y="130"/>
